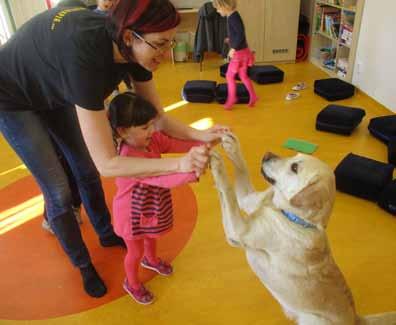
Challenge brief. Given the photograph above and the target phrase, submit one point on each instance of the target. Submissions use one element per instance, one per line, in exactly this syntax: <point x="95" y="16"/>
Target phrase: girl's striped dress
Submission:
<point x="143" y="206"/>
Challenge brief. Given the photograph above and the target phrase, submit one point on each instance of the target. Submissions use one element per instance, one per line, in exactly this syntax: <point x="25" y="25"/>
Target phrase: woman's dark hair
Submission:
<point x="142" y="16"/>
<point x="128" y="109"/>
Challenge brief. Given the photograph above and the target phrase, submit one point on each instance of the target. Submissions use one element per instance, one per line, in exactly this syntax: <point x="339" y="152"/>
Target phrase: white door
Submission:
<point x="281" y="27"/>
<point x="252" y="12"/>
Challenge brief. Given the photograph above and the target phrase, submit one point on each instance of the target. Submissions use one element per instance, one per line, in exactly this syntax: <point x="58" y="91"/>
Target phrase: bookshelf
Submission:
<point x="335" y="33"/>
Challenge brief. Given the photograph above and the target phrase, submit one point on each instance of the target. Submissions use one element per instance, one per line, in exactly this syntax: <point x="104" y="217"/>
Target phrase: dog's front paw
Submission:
<point x="216" y="162"/>
<point x="232" y="147"/>
<point x="217" y="167"/>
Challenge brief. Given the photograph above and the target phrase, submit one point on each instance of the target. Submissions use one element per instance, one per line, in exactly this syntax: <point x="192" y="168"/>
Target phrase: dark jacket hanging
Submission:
<point x="211" y="32"/>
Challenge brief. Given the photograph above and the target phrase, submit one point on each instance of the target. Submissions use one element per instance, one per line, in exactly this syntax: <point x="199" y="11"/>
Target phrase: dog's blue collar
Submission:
<point x="296" y="219"/>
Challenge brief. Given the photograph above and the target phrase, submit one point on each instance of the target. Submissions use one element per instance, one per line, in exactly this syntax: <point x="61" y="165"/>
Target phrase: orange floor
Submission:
<point x="212" y="283"/>
<point x="44" y="271"/>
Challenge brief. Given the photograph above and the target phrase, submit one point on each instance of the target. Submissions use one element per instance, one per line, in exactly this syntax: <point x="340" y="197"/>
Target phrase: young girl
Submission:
<point x="241" y="56"/>
<point x="143" y="206"/>
<point x="104" y="6"/>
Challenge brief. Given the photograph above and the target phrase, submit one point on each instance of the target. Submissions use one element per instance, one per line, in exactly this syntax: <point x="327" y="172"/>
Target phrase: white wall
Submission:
<point x="23" y="10"/>
<point x="375" y="63"/>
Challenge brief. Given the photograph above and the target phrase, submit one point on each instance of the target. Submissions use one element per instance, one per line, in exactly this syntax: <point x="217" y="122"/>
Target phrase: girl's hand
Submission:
<point x="231" y="53"/>
<point x="213" y="135"/>
<point x="196" y="160"/>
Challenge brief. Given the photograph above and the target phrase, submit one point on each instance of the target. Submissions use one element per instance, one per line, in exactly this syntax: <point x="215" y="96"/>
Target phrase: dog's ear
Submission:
<point x="312" y="197"/>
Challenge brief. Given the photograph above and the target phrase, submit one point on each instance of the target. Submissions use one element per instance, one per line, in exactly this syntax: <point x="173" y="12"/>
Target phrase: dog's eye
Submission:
<point x="294" y="168"/>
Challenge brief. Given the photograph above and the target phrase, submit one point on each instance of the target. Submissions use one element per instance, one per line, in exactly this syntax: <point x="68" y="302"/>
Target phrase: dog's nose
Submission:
<point x="269" y="156"/>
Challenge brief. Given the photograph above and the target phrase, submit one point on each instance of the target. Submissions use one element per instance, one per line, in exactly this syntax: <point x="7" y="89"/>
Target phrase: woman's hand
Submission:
<point x="196" y="160"/>
<point x="213" y="135"/>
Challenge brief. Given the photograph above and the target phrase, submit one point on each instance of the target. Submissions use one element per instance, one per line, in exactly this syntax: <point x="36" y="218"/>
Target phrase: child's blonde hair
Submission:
<point x="232" y="4"/>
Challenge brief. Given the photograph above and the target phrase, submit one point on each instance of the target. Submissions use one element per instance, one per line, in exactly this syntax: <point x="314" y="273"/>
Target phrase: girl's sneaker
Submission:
<point x="299" y="86"/>
<point x="141" y="295"/>
<point x="292" y="95"/>
<point x="162" y="267"/>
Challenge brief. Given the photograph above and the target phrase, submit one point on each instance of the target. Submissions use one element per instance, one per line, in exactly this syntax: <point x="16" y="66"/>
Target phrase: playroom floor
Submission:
<point x="212" y="283"/>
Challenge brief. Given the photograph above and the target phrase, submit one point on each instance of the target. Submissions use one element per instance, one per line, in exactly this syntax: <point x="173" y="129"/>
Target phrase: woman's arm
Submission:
<point x="168" y="124"/>
<point x="98" y="138"/>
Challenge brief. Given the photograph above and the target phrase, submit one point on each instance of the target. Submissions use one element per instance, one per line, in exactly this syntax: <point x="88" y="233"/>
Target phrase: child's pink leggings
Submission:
<point x="239" y="64"/>
<point x="135" y="250"/>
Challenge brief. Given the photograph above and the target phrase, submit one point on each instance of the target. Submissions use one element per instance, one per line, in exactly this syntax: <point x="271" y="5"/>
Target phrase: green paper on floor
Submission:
<point x="300" y="145"/>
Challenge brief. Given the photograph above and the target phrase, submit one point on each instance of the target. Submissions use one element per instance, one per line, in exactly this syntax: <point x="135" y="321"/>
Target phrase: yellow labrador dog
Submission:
<point x="283" y="234"/>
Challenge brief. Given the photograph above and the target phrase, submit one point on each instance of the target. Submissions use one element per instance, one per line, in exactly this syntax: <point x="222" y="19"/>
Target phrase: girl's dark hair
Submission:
<point x="71" y="3"/>
<point x="142" y="16"/>
<point x="128" y="109"/>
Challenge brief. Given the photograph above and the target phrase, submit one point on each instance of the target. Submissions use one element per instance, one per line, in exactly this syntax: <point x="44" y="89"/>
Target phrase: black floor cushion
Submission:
<point x="387" y="199"/>
<point x="266" y="74"/>
<point x="242" y="94"/>
<point x="383" y="127"/>
<point x="262" y="74"/>
<point x="392" y="151"/>
<point x="199" y="91"/>
<point x="333" y="89"/>
<point x="339" y="119"/>
<point x="223" y="71"/>
<point x="363" y="177"/>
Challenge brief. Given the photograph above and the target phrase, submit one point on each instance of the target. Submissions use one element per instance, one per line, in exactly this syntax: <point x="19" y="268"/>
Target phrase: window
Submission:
<point x="5" y="32"/>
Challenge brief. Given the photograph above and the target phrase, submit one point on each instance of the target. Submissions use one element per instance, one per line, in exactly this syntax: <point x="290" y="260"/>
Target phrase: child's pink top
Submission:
<point x="143" y="206"/>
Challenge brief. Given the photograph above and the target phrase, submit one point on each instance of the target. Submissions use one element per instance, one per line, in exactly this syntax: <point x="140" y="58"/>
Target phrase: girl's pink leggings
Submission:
<point x="135" y="250"/>
<point x="239" y="64"/>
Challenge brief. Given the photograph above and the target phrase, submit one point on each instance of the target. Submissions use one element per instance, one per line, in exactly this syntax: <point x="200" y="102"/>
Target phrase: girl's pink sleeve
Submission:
<point x="169" y="181"/>
<point x="167" y="144"/>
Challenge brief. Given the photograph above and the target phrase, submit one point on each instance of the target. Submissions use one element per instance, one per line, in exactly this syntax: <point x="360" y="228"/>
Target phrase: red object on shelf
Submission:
<point x="49" y="5"/>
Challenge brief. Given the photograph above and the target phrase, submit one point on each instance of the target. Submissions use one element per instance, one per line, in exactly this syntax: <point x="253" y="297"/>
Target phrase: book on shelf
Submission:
<point x="340" y="3"/>
<point x="330" y="21"/>
<point x="333" y="2"/>
<point x="346" y="34"/>
<point x="318" y="17"/>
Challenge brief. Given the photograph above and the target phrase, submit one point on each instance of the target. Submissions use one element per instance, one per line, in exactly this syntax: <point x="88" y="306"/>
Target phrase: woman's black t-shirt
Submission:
<point x="61" y="58"/>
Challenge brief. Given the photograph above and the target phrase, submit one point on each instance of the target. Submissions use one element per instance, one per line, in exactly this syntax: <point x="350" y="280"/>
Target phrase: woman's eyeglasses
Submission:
<point x="169" y="45"/>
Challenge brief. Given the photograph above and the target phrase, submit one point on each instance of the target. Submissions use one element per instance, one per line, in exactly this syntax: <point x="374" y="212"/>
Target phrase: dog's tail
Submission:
<point x="379" y="319"/>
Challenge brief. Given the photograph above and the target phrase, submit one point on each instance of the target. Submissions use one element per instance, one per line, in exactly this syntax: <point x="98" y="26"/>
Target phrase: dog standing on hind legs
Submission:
<point x="284" y="235"/>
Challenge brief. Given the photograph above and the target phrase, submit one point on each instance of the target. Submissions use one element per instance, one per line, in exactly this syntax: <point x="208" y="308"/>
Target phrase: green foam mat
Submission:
<point x="300" y="145"/>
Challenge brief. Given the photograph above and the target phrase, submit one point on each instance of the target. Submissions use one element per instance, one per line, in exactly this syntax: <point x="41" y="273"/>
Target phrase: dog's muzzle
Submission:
<point x="267" y="158"/>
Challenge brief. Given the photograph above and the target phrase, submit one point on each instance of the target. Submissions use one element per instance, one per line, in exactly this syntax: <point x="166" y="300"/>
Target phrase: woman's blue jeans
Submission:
<point x="29" y="133"/>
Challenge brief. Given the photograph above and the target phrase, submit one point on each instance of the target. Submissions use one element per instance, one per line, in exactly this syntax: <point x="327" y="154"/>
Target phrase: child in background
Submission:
<point x="142" y="207"/>
<point x="104" y="6"/>
<point x="240" y="54"/>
